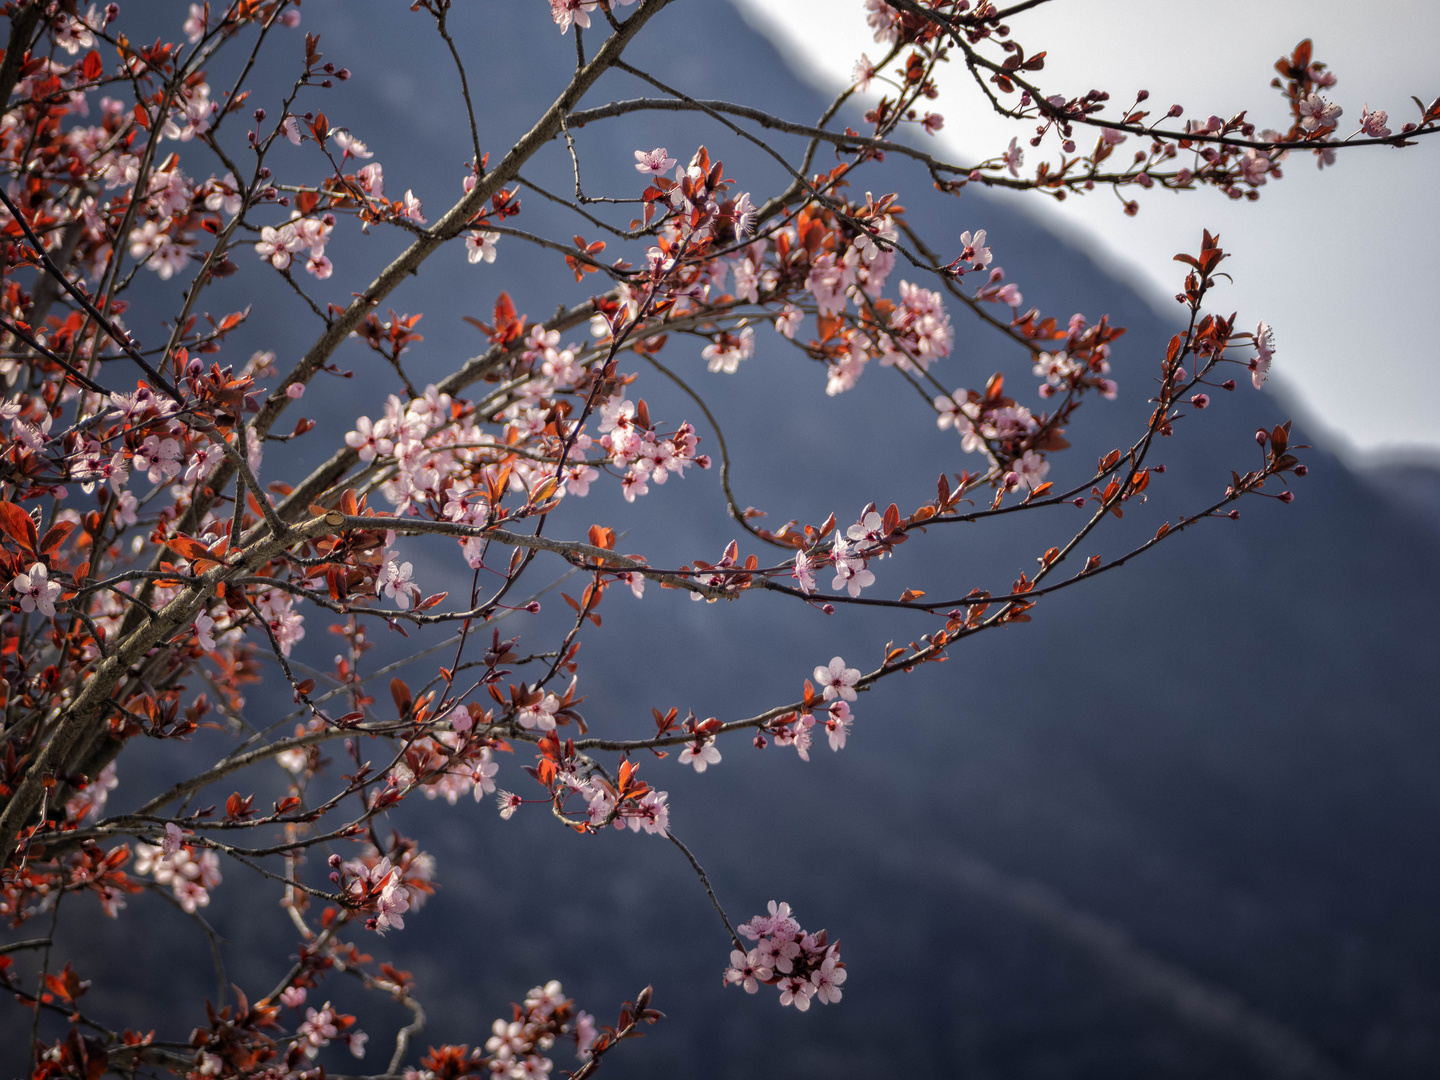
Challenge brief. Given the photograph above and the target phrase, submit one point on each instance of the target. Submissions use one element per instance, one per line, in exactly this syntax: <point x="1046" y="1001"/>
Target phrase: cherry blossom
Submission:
<point x="480" y="246"/>
<point x="1373" y="123"/>
<point x="411" y="210"/>
<point x="175" y="587"/>
<point x="1014" y="158"/>
<point x="158" y="458"/>
<point x="36" y="591"/>
<point x="974" y="251"/>
<point x="838" y="720"/>
<point x="863" y="73"/>
<point x="395" y="581"/>
<point x="702" y="753"/>
<point x="836" y="680"/>
<point x="350" y="146"/>
<point x="1264" y="349"/>
<point x="566" y="12"/>
<point x="508" y="803"/>
<point x="1317" y="114"/>
<point x="657" y="162"/>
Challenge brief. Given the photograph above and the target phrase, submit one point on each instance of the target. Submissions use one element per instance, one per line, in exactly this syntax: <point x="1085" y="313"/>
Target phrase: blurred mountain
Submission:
<point x="1180" y="825"/>
<point x="1412" y="484"/>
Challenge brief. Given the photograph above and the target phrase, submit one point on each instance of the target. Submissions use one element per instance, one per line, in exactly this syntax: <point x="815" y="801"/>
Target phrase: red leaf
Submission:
<point x="55" y="536"/>
<point x="401" y="693"/>
<point x="18" y="524"/>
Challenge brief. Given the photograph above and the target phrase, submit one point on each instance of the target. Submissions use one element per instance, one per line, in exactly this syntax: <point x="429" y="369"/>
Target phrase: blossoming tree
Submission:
<point x="155" y="555"/>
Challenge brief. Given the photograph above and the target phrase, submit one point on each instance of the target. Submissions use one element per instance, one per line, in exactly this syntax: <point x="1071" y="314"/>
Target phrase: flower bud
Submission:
<point x="1287" y="496"/>
<point x="1261" y="436"/>
<point x="259" y="115"/>
<point x="1234" y="515"/>
<point x="1302" y="470"/>
<point x="1228" y="384"/>
<point x="828" y="609"/>
<point x="533" y="607"/>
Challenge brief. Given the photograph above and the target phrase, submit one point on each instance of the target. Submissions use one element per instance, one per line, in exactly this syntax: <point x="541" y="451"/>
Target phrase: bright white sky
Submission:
<point x="1345" y="264"/>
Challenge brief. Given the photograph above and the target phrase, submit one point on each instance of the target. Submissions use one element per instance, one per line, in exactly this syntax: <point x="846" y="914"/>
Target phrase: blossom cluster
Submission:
<point x="802" y="966"/>
<point x="188" y="870"/>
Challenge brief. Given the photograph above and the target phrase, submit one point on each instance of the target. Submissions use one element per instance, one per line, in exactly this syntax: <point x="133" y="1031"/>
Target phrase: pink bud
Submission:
<point x="1287" y="496"/>
<point x="1261" y="436"/>
<point x="1302" y="470"/>
<point x="295" y="391"/>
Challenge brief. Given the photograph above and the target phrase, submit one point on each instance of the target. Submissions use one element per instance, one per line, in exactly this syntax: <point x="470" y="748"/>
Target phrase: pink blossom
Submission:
<point x="827" y="979"/>
<point x="158" y="458"/>
<point x="1373" y="123"/>
<point x="508" y="803"/>
<point x="746" y="970"/>
<point x="480" y="245"/>
<point x="804" y="573"/>
<point x="202" y="461"/>
<point x="702" y="753"/>
<point x="194" y="26"/>
<point x="836" y="680"/>
<point x="1014" y="158"/>
<point x="1265" y="349"/>
<point x="565" y="12"/>
<point x="656" y="163"/>
<point x="852" y="577"/>
<point x="317" y="1030"/>
<point x="349" y="145"/>
<point x="390" y="907"/>
<point x="789" y="320"/>
<point x="371" y="179"/>
<point x="395" y="582"/>
<point x="837" y="723"/>
<point x="205" y="631"/>
<point x="1317" y="114"/>
<point x="826" y="282"/>
<point x="883" y="19"/>
<point x="796" y="991"/>
<point x="172" y="840"/>
<point x="1030" y="468"/>
<point x="410" y="208"/>
<point x="863" y="73"/>
<point x="975" y="252"/>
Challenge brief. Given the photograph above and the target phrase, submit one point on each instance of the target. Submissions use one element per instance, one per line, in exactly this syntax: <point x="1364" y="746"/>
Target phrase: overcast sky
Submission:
<point x="1345" y="264"/>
